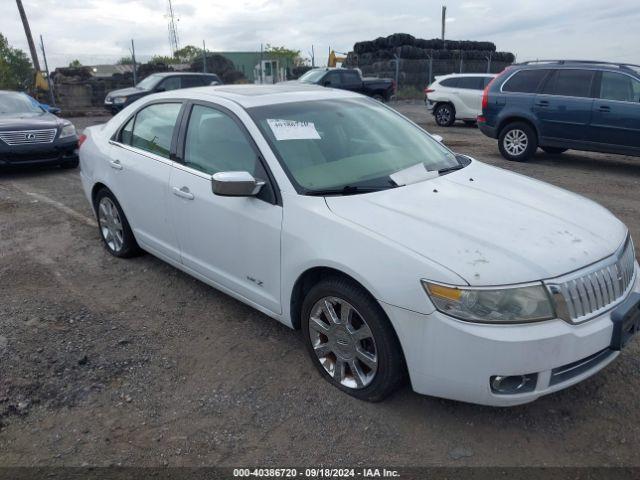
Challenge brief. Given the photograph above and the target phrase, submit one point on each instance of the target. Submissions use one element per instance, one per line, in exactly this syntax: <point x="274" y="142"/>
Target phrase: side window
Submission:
<point x="525" y="81"/>
<point x="450" y="82"/>
<point x="615" y="86"/>
<point x="171" y="83"/>
<point x="570" y="83"/>
<point x="215" y="143"/>
<point x="153" y="128"/>
<point x="486" y="81"/>
<point x="333" y="78"/>
<point x="192" y="81"/>
<point x="471" y="83"/>
<point x="350" y="78"/>
<point x="125" y="133"/>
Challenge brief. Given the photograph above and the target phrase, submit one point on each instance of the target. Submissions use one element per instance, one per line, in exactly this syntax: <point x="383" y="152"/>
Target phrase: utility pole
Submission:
<point x="133" y="60"/>
<point x="313" y="58"/>
<point x="444" y="19"/>
<point x="52" y="99"/>
<point x="204" y="57"/>
<point x="27" y="31"/>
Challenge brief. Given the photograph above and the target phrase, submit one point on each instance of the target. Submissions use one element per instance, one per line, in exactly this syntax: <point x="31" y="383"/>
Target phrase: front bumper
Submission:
<point x="60" y="151"/>
<point x="454" y="359"/>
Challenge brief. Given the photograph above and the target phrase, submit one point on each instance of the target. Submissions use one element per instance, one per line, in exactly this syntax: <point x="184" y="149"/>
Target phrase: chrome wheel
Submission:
<point x="515" y="142"/>
<point x="443" y="115"/>
<point x="343" y="342"/>
<point x="110" y="224"/>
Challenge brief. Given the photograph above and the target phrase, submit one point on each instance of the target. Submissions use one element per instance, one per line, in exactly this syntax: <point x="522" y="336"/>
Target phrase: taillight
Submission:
<point x="81" y="140"/>
<point x="485" y="96"/>
<point x="428" y="90"/>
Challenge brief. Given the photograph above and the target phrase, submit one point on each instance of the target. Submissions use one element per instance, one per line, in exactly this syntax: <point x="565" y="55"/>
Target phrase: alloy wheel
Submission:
<point x="515" y="142"/>
<point x="343" y="342"/>
<point x="443" y="115"/>
<point x="110" y="224"/>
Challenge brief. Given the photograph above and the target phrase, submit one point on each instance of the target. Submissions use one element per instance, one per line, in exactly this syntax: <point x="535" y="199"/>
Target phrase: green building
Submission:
<point x="249" y="64"/>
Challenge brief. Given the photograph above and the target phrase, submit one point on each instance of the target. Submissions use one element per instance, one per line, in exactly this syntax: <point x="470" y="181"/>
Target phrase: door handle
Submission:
<point x="115" y="164"/>
<point x="604" y="108"/>
<point x="183" y="193"/>
<point x="542" y="103"/>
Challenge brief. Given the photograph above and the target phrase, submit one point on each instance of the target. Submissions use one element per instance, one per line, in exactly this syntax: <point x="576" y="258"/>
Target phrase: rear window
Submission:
<point x="472" y="83"/>
<point x="570" y="83"/>
<point x="525" y="81"/>
<point x="450" y="82"/>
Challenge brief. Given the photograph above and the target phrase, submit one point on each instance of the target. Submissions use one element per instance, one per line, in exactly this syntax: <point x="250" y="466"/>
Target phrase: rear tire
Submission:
<point x="517" y="142"/>
<point x="113" y="226"/>
<point x="350" y="340"/>
<point x="553" y="150"/>
<point x="445" y="115"/>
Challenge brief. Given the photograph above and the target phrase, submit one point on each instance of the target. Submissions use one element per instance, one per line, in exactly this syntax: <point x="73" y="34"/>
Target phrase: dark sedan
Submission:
<point x="29" y="135"/>
<point x="116" y="100"/>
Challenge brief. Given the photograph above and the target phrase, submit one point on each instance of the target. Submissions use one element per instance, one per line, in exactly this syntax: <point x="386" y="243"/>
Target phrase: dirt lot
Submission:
<point x="131" y="362"/>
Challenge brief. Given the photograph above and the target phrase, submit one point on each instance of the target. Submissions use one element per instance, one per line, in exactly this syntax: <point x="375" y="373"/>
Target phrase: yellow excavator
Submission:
<point x="334" y="59"/>
<point x="41" y="83"/>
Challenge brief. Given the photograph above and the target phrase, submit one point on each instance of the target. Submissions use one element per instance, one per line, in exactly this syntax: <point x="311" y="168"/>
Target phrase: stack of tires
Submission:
<point x="377" y="58"/>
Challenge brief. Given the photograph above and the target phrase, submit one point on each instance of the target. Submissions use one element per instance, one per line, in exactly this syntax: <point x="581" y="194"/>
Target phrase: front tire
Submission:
<point x="350" y="340"/>
<point x="445" y="115"/>
<point x="517" y="142"/>
<point x="69" y="164"/>
<point x="114" y="228"/>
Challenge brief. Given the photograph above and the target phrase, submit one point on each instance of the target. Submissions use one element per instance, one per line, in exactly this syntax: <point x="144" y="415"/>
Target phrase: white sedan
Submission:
<point x="333" y="214"/>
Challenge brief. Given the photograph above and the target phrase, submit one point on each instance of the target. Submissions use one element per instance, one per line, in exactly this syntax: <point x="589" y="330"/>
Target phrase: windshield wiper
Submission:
<point x="348" y="190"/>
<point x="450" y="169"/>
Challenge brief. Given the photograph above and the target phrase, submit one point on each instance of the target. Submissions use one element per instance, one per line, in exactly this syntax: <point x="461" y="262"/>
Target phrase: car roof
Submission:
<point x="581" y="64"/>
<point x="247" y="95"/>
<point x="169" y="74"/>
<point x="451" y="75"/>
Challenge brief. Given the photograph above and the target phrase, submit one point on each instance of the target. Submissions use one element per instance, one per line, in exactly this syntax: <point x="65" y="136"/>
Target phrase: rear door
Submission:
<point x="563" y="106"/>
<point x="351" y="81"/>
<point x="616" y="111"/>
<point x="141" y="167"/>
<point x="470" y="97"/>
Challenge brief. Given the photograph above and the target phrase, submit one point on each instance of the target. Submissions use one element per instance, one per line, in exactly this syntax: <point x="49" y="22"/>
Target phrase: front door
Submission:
<point x="141" y="169"/>
<point x="616" y="111"/>
<point x="232" y="241"/>
<point x="564" y="105"/>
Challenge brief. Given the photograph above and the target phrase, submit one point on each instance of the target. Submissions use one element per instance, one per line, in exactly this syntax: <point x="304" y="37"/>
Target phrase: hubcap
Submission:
<point x="343" y="342"/>
<point x="515" y="142"/>
<point x="110" y="224"/>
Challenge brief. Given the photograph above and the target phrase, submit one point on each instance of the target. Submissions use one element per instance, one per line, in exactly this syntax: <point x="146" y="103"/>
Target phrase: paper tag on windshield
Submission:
<point x="414" y="174"/>
<point x="293" y="130"/>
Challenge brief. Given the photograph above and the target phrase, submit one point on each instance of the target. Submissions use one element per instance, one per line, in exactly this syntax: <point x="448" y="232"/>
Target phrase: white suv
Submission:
<point x="456" y="97"/>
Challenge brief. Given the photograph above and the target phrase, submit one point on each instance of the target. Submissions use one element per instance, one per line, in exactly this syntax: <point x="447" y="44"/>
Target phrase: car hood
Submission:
<point x="489" y="226"/>
<point x="29" y="121"/>
<point x="127" y="92"/>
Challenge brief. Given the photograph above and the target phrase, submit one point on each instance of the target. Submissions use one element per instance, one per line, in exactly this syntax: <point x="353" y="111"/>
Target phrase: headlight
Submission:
<point x="68" y="130"/>
<point x="529" y="303"/>
<point x="119" y="100"/>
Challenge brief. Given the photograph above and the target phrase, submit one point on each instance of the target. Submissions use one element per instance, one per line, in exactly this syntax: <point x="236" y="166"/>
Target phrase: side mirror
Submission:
<point x="54" y="110"/>
<point x="326" y="83"/>
<point x="215" y="82"/>
<point x="235" y="184"/>
<point x="437" y="138"/>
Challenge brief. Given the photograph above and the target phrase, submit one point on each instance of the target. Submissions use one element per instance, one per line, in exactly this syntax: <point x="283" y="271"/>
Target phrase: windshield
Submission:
<point x="149" y="82"/>
<point x="333" y="144"/>
<point x="312" y="76"/>
<point x="12" y="103"/>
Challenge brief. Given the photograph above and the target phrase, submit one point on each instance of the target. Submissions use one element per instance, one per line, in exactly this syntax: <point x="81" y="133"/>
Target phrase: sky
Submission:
<point x="100" y="31"/>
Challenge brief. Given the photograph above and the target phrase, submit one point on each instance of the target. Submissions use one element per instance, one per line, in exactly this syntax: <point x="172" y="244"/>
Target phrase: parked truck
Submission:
<point x="350" y="79"/>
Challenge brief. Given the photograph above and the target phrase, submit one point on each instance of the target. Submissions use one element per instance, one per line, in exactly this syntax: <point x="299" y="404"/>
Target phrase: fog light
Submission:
<point x="506" y="385"/>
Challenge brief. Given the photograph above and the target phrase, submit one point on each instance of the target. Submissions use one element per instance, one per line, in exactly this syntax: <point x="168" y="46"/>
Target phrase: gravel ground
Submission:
<point x="131" y="362"/>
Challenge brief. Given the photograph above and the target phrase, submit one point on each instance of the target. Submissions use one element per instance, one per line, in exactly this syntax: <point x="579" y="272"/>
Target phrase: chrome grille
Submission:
<point x="587" y="293"/>
<point x="28" y="137"/>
